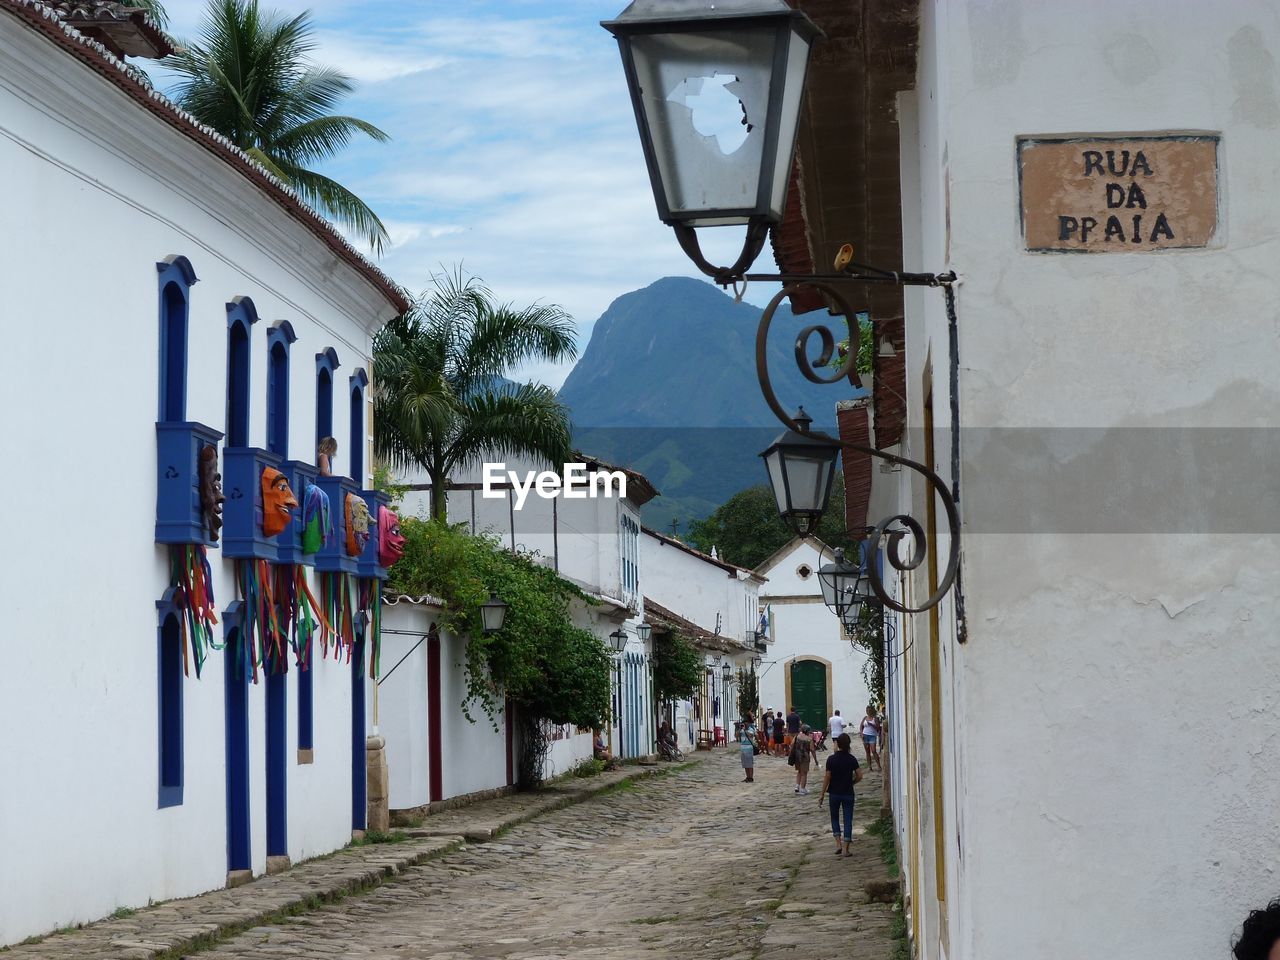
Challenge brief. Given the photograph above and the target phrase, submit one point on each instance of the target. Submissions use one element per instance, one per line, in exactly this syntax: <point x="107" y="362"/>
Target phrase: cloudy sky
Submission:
<point x="513" y="152"/>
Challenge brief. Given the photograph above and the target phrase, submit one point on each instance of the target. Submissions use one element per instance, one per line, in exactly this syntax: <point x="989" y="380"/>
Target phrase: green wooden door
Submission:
<point x="809" y="692"/>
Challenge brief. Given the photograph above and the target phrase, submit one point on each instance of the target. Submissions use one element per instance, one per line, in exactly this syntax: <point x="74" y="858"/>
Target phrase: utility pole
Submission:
<point x="675" y="527"/>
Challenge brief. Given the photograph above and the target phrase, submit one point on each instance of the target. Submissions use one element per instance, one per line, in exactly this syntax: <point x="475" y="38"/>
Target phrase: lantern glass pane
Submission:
<point x="706" y="102"/>
<point x="773" y="460"/>
<point x="807" y="477"/>
<point x="788" y="119"/>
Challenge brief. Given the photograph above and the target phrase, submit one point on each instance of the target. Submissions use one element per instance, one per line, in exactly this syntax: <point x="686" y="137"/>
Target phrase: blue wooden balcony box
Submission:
<point x="332" y="557"/>
<point x="369" y="566"/>
<point x="178" y="515"/>
<point x="300" y="473"/>
<point x="242" y="536"/>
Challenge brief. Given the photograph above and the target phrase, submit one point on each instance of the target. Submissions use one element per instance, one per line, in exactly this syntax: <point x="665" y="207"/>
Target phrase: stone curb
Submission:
<point x="174" y="928"/>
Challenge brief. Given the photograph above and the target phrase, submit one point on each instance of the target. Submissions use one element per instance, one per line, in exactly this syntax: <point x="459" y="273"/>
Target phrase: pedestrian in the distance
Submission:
<point x="747" y="748"/>
<point x="779" y="732"/>
<point x="870" y="731"/>
<point x="842" y="773"/>
<point x="801" y="757"/>
<point x="835" y="725"/>
<point x="793" y="726"/>
<point x="1260" y="937"/>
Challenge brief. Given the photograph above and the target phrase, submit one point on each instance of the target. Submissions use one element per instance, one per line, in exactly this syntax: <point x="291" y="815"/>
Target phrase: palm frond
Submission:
<point x="337" y="201"/>
<point x="525" y="420"/>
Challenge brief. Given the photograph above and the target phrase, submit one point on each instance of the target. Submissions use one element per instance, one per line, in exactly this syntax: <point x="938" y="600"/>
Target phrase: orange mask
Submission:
<point x="278" y="501"/>
<point x="357" y="516"/>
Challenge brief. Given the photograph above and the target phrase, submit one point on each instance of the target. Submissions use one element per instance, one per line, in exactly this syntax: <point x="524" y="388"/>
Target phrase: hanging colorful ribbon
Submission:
<point x="193" y="581"/>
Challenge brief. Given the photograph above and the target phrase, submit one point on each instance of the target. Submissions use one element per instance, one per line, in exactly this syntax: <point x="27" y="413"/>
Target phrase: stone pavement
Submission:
<point x="693" y="865"/>
<point x="177" y="926"/>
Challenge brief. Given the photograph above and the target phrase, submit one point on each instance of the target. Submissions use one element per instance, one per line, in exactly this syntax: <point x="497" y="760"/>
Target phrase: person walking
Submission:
<point x="870" y="731"/>
<point x="801" y="757"/>
<point x="835" y="725"/>
<point x="842" y="773"/>
<point x="747" y="748"/>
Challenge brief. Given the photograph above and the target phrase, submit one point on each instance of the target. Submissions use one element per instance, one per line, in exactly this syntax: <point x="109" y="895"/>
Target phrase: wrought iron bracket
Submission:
<point x="886" y="539"/>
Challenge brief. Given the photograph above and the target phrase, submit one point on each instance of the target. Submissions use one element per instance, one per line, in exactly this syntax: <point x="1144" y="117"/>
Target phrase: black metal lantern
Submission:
<point x="618" y="640"/>
<point x="644" y="631"/>
<point x="492" y="613"/>
<point x="755" y="663"/>
<point x="683" y="60"/>
<point x="726" y="671"/>
<point x="801" y="470"/>
<point x="838" y="581"/>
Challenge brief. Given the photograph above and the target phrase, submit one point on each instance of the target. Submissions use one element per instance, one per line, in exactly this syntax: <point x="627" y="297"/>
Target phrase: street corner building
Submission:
<point x="191" y="611"/>
<point x="1082" y="731"/>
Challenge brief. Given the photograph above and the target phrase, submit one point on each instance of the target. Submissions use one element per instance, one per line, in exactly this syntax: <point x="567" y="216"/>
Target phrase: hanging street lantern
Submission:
<point x="838" y="581"/>
<point x="726" y="671"/>
<point x="493" y="612"/>
<point x="802" y="467"/>
<point x="618" y="640"/>
<point x="717" y="87"/>
<point x="644" y="631"/>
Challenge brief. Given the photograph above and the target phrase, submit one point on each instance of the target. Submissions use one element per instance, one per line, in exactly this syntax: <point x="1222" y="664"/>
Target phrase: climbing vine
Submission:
<point x="869" y="635"/>
<point x="551" y="670"/>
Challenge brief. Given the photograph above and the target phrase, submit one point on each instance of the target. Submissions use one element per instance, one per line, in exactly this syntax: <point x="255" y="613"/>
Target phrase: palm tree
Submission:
<point x="155" y="9"/>
<point x="439" y="398"/>
<point x="250" y="78"/>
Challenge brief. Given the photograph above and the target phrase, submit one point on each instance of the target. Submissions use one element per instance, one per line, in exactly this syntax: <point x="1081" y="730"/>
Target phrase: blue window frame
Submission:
<point x="279" y="338"/>
<point x="359" y="380"/>
<point x="169" y="714"/>
<point x="326" y="364"/>
<point x="241" y="316"/>
<point x="175" y="280"/>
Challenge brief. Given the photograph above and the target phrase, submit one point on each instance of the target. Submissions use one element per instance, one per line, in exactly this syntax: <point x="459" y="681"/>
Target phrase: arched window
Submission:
<point x="241" y="316"/>
<point x="279" y="338"/>
<point x="169" y="713"/>
<point x="359" y="380"/>
<point x="326" y="364"/>
<point x="175" y="279"/>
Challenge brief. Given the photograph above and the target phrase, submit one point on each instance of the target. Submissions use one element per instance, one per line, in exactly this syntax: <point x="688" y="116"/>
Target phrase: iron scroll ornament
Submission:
<point x="890" y="531"/>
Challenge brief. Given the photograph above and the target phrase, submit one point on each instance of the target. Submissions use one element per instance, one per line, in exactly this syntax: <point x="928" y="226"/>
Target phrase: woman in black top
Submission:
<point x="842" y="773"/>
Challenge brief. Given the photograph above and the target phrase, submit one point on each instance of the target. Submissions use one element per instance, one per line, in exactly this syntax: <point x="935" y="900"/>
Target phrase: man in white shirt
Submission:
<point x="835" y="724"/>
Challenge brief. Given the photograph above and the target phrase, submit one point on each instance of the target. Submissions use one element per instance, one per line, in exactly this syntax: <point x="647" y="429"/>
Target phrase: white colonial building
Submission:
<point x="166" y="297"/>
<point x="809" y="664"/>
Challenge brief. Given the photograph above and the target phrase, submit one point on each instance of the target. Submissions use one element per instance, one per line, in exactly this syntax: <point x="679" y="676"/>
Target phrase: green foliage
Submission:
<point x="384" y="479"/>
<point x="552" y="670"/>
<point x="588" y="768"/>
<point x="882" y="828"/>
<point x="747" y="530"/>
<point x="677" y="666"/>
<point x="869" y="635"/>
<point x="439" y="397"/>
<point x="748" y="692"/>
<point x="250" y="77"/>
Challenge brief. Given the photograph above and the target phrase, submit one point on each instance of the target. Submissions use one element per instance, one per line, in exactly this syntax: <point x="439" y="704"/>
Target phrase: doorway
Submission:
<point x="810" y="692"/>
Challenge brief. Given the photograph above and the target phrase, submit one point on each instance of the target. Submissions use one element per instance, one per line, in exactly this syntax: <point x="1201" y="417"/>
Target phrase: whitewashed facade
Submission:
<point x="106" y="190"/>
<point x="1091" y="771"/>
<point x="720" y="602"/>
<point x="809" y="663"/>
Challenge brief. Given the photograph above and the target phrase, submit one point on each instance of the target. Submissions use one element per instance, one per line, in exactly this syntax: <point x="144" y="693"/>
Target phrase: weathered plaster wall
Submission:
<point x="1085" y="725"/>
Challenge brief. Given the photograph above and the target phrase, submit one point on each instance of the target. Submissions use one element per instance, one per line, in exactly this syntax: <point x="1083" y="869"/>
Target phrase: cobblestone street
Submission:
<point x="694" y="864"/>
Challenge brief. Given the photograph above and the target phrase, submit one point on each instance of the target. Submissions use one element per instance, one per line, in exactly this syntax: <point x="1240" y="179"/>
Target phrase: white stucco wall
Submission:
<point x="703" y="592"/>
<point x="1144" y="635"/>
<point x="104" y="190"/>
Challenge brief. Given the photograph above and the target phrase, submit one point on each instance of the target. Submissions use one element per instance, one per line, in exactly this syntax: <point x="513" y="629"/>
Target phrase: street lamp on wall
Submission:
<point x="493" y="613"/>
<point x="801" y="469"/>
<point x="618" y="640"/>
<point x="680" y="57"/>
<point x="644" y="631"/>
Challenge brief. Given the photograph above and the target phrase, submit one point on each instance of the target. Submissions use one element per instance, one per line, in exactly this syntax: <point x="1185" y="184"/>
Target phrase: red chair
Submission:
<point x="720" y="738"/>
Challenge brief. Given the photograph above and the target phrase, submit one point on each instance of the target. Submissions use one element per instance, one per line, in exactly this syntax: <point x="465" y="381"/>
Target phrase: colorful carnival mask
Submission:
<point x="277" y="501"/>
<point x="390" y="541"/>
<point x="316" y="524"/>
<point x="211" y="497"/>
<point x="357" y="516"/>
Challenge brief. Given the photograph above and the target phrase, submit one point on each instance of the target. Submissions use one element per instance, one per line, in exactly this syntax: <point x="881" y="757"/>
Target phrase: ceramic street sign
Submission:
<point x="1106" y="195"/>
